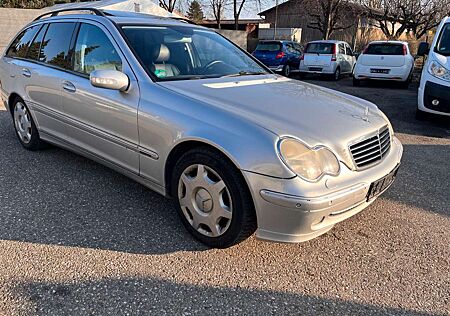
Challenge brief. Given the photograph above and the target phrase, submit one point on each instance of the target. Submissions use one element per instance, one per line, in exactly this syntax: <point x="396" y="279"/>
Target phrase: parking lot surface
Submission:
<point x="79" y="239"/>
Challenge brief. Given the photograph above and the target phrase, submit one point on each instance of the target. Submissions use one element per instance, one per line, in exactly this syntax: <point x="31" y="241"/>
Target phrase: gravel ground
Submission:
<point x="79" y="239"/>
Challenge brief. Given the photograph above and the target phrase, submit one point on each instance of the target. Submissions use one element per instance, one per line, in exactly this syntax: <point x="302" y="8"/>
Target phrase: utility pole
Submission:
<point x="276" y="20"/>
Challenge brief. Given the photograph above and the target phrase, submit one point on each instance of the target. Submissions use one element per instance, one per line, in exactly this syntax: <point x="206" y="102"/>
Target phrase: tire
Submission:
<point x="286" y="71"/>
<point x="217" y="225"/>
<point x="337" y="74"/>
<point x="356" y="82"/>
<point x="25" y="127"/>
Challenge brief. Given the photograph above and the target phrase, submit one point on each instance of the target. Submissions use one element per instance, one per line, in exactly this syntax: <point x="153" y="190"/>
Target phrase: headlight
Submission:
<point x="308" y="163"/>
<point x="439" y="71"/>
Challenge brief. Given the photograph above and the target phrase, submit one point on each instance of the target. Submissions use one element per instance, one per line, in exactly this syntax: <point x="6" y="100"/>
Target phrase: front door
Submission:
<point x="101" y="121"/>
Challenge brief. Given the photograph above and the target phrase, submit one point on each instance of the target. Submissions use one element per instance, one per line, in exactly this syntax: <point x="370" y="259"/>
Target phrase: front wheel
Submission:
<point x="212" y="199"/>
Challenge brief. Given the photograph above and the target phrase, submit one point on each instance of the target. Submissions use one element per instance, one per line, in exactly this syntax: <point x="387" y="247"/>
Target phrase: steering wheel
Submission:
<point x="213" y="63"/>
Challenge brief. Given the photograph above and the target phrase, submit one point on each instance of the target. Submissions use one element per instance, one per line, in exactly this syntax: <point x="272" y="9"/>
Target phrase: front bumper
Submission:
<point x="292" y="210"/>
<point x="432" y="92"/>
<point x="276" y="68"/>
<point x="395" y="73"/>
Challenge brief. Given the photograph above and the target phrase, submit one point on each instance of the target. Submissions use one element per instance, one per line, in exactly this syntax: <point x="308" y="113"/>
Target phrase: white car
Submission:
<point x="384" y="60"/>
<point x="434" y="89"/>
<point x="333" y="58"/>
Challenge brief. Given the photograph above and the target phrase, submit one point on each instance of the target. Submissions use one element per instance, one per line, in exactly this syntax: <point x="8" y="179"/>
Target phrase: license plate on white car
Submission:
<point x="379" y="71"/>
<point x="379" y="186"/>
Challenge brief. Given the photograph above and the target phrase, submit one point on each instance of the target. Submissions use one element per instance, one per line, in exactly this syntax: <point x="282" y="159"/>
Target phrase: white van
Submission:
<point x="434" y="90"/>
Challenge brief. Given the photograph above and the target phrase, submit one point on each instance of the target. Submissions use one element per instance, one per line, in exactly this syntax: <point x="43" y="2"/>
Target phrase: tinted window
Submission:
<point x="320" y="48"/>
<point x="55" y="47"/>
<point x="349" y="50"/>
<point x="269" y="46"/>
<point x="20" y="45"/>
<point x="384" y="49"/>
<point x="341" y="49"/>
<point x="35" y="47"/>
<point x="94" y="51"/>
<point x="443" y="45"/>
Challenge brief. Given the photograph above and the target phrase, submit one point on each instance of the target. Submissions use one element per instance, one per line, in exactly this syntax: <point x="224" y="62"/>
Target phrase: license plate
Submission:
<point x="379" y="186"/>
<point x="379" y="71"/>
<point x="315" y="69"/>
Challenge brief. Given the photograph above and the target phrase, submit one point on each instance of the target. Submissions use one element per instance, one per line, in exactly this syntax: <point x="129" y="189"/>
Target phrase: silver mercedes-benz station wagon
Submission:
<point x="187" y="113"/>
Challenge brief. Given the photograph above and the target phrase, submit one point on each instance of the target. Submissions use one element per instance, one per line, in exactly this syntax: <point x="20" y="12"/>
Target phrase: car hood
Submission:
<point x="286" y="107"/>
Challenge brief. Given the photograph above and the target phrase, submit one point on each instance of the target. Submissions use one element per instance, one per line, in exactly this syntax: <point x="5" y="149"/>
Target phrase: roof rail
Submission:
<point x="56" y="12"/>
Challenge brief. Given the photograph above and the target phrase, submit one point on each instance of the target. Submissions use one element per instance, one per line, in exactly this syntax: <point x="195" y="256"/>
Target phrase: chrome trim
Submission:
<point x="379" y="143"/>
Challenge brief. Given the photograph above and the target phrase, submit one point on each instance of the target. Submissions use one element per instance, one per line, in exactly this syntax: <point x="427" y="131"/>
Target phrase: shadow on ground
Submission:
<point x="150" y="296"/>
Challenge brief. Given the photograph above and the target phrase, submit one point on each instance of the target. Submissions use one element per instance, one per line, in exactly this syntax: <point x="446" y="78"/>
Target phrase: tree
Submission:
<point x="168" y="5"/>
<point x="328" y="16"/>
<point x="218" y="7"/>
<point x="238" y="5"/>
<point x="195" y="12"/>
<point x="394" y="17"/>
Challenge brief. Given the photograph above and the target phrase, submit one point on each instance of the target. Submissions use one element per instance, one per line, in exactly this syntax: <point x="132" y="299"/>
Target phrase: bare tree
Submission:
<point x="168" y="5"/>
<point x="394" y="17"/>
<point x="218" y="7"/>
<point x="329" y="16"/>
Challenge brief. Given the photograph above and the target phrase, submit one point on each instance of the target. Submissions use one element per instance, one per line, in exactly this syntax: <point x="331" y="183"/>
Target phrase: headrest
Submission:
<point x="162" y="54"/>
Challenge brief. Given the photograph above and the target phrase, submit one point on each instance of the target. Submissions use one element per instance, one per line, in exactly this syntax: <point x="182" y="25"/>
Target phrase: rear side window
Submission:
<point x="55" y="47"/>
<point x="320" y="48"/>
<point x="94" y="51"/>
<point x="35" y="47"/>
<point x="19" y="47"/>
<point x="341" y="49"/>
<point x="269" y="46"/>
<point x="384" y="49"/>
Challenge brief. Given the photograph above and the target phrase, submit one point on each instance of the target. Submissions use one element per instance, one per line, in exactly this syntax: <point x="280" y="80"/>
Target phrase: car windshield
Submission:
<point x="319" y="48"/>
<point x="443" y="45"/>
<point x="384" y="49"/>
<point x="268" y="46"/>
<point x="183" y="52"/>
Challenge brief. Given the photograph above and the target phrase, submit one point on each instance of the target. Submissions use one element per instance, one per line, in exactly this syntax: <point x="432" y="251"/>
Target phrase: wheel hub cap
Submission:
<point x="205" y="200"/>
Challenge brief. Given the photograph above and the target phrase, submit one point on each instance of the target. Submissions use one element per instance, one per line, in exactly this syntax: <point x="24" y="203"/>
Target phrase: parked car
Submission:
<point x="279" y="56"/>
<point x="385" y="60"/>
<point x="185" y="112"/>
<point x="332" y="58"/>
<point x="434" y="89"/>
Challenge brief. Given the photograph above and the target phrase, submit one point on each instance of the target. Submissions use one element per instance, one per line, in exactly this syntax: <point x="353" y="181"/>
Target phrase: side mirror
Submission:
<point x="424" y="49"/>
<point x="109" y="79"/>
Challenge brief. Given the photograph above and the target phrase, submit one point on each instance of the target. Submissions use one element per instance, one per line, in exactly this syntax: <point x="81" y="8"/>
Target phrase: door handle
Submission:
<point x="26" y="72"/>
<point x="68" y="86"/>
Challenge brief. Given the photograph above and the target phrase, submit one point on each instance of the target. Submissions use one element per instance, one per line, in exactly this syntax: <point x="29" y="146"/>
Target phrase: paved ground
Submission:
<point x="79" y="239"/>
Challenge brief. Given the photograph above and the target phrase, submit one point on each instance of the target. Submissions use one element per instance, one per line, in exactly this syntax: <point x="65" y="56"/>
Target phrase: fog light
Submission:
<point x="435" y="102"/>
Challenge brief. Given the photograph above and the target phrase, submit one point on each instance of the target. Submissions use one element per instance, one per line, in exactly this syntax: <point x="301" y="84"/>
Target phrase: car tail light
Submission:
<point x="280" y="55"/>
<point x="405" y="51"/>
<point x="333" y="57"/>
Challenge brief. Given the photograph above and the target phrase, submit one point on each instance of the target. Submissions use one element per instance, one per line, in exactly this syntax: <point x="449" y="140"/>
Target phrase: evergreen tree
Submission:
<point x="195" y="12"/>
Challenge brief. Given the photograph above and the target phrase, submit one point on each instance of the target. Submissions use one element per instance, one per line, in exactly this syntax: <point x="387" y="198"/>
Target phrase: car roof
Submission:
<point x="327" y="41"/>
<point x="279" y="41"/>
<point x="119" y="17"/>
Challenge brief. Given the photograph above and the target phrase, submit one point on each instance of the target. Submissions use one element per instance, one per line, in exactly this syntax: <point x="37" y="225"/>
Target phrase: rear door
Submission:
<point x="101" y="121"/>
<point x="383" y="55"/>
<point x="350" y="56"/>
<point x="40" y="74"/>
<point x="319" y="54"/>
<point x="342" y="58"/>
<point x="294" y="56"/>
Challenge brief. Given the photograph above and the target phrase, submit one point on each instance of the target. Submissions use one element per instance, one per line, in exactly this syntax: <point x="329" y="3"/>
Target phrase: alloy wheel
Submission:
<point x="205" y="200"/>
<point x="22" y="122"/>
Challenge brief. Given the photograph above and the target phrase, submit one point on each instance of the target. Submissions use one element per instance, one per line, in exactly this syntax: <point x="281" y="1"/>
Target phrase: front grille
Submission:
<point x="371" y="149"/>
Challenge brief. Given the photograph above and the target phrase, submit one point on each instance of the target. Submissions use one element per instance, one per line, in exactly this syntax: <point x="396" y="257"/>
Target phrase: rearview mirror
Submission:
<point x="109" y="79"/>
<point x="424" y="49"/>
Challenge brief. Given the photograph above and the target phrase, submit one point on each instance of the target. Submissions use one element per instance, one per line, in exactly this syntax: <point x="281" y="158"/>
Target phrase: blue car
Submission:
<point x="279" y="56"/>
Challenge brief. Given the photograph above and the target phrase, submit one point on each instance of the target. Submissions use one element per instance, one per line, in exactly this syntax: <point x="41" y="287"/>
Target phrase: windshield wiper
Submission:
<point x="245" y="73"/>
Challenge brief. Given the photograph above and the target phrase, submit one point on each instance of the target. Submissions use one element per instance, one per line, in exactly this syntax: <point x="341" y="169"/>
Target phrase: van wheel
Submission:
<point x="212" y="199"/>
<point x="24" y="125"/>
<point x="337" y="74"/>
<point x="286" y="70"/>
